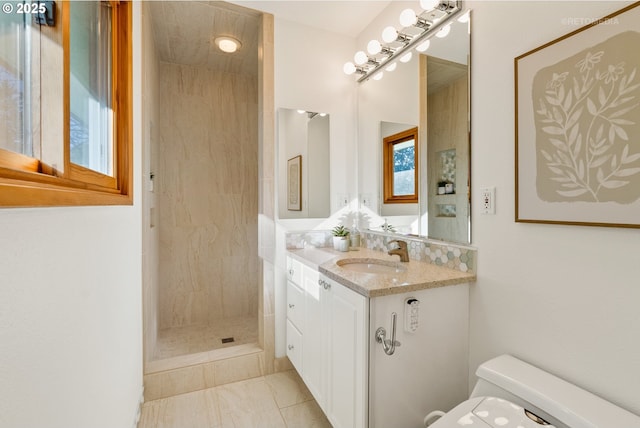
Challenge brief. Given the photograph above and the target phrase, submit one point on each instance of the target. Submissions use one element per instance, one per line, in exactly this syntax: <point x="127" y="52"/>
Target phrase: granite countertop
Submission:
<point x="414" y="275"/>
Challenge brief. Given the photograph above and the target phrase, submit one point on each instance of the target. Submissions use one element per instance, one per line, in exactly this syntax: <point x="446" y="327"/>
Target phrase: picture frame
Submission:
<point x="577" y="126"/>
<point x="294" y="183"/>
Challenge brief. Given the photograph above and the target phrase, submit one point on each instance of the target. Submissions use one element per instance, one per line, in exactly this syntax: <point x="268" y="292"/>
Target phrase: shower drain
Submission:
<point x="228" y="340"/>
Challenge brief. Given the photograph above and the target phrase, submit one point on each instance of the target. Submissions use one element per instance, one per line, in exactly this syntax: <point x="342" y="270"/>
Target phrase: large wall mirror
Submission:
<point x="303" y="164"/>
<point x="431" y="92"/>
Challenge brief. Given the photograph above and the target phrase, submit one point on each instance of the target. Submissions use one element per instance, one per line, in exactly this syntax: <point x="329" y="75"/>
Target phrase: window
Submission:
<point x="85" y="87"/>
<point x="15" y="84"/>
<point x="400" y="167"/>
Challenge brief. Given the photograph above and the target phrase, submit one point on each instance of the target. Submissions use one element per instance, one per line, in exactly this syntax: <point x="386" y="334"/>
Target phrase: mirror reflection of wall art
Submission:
<point x="294" y="184"/>
<point x="578" y="126"/>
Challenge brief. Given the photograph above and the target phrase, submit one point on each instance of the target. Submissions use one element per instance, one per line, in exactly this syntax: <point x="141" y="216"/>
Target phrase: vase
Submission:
<point x="341" y="243"/>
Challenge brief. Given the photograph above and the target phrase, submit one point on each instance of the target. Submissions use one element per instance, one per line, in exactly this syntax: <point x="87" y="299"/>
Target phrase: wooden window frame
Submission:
<point x="28" y="182"/>
<point x="387" y="166"/>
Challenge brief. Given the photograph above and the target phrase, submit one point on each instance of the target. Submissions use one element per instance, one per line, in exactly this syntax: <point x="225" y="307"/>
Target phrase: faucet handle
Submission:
<point x="401" y="244"/>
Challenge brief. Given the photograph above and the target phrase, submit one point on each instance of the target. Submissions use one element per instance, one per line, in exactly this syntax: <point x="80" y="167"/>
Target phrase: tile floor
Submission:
<point x="280" y="400"/>
<point x="176" y="341"/>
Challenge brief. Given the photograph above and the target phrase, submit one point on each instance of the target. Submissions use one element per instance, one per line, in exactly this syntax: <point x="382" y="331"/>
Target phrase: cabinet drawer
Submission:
<point x="294" y="346"/>
<point x="294" y="270"/>
<point x="295" y="305"/>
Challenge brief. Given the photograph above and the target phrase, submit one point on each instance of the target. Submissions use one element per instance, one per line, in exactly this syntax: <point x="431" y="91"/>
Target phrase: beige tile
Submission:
<point x="194" y="339"/>
<point x="248" y="403"/>
<point x="236" y="369"/>
<point x="194" y="410"/>
<point x="207" y="194"/>
<point x="167" y="384"/>
<point x="269" y="344"/>
<point x="287" y="388"/>
<point x="282" y="365"/>
<point x="271" y="419"/>
<point x="209" y="375"/>
<point x="305" y="415"/>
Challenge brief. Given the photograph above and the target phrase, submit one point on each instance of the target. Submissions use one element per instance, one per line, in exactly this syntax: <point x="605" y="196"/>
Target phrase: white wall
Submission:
<point x="308" y="64"/>
<point x="70" y="311"/>
<point x="564" y="298"/>
<point x="318" y="175"/>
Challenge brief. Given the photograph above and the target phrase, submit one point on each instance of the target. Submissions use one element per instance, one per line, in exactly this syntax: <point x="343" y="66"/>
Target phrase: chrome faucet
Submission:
<point x="401" y="250"/>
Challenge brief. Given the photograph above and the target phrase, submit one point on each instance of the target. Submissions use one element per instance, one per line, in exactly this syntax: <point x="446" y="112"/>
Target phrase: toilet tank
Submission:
<point x="549" y="397"/>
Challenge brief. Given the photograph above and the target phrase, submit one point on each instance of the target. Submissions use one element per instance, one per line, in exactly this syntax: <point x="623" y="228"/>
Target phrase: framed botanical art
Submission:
<point x="578" y="126"/>
<point x="294" y="184"/>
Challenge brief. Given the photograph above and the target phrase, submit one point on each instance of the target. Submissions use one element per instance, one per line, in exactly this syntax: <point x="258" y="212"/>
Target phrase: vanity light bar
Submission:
<point x="373" y="65"/>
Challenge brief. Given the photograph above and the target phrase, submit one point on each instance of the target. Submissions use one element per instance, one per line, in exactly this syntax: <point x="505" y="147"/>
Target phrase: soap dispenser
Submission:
<point x="354" y="236"/>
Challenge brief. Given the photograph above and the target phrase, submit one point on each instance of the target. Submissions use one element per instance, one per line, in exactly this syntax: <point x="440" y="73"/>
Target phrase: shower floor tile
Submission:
<point x="176" y="341"/>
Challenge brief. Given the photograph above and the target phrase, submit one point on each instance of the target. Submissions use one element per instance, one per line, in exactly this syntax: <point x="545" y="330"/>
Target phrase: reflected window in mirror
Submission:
<point x="400" y="166"/>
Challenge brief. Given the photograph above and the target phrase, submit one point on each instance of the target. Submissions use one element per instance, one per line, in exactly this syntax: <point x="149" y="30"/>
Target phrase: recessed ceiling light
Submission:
<point x="227" y="44"/>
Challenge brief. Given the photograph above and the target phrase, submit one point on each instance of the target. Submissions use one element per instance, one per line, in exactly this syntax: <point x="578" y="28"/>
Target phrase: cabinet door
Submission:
<point x="294" y="346"/>
<point x="295" y="305"/>
<point x="315" y="337"/>
<point x="348" y="358"/>
<point x="294" y="270"/>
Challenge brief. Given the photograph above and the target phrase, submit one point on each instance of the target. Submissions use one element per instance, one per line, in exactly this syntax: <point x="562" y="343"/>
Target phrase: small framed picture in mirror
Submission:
<point x="294" y="183"/>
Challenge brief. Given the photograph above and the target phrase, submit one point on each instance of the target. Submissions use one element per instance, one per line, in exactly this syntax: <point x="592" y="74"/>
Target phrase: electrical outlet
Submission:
<point x="366" y="200"/>
<point x="343" y="200"/>
<point x="488" y="200"/>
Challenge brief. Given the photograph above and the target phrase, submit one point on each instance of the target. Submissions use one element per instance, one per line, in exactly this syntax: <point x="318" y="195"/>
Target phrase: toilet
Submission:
<point x="510" y="393"/>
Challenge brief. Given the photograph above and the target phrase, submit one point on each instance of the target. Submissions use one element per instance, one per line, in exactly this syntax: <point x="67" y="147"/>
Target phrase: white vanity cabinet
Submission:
<point x="345" y="353"/>
<point x="295" y="312"/>
<point x="331" y="341"/>
<point x="333" y="335"/>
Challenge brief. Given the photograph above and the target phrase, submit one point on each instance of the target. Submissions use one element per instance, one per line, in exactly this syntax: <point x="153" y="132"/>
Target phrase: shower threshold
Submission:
<point x="201" y="357"/>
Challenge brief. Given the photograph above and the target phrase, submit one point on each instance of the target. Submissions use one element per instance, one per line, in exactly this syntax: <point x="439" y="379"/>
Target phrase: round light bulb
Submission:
<point x="301" y="111"/>
<point x="389" y="35"/>
<point x="391" y="67"/>
<point x="429" y="4"/>
<point x="378" y="76"/>
<point x="408" y="18"/>
<point x="323" y="114"/>
<point x="406" y="57"/>
<point x="444" y="31"/>
<point x="423" y="46"/>
<point x="374" y="47"/>
<point x="227" y="44"/>
<point x="349" y="68"/>
<point x="360" y="58"/>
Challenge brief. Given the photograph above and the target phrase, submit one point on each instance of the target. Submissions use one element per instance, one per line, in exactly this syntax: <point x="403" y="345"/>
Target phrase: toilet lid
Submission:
<point x="487" y="412"/>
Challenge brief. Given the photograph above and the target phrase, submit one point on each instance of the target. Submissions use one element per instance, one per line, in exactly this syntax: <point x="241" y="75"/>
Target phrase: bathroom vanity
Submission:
<point x="337" y="302"/>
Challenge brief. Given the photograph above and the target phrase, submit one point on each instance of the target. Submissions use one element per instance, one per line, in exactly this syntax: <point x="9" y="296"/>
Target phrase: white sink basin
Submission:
<point x="372" y="266"/>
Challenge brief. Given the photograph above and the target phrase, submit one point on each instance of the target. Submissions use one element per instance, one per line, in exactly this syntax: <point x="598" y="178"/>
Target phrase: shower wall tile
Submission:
<point x="266" y="170"/>
<point x="207" y="195"/>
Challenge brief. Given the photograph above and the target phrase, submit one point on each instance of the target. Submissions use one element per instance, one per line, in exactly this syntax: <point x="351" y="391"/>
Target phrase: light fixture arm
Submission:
<point x="452" y="8"/>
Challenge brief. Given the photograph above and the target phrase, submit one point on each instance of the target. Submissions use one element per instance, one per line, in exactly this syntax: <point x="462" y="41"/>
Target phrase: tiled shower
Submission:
<point x="207" y="209"/>
<point x="202" y="269"/>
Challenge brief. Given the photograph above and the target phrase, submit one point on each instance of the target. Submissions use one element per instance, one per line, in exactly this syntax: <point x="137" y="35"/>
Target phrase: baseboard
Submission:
<point x="136" y="419"/>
